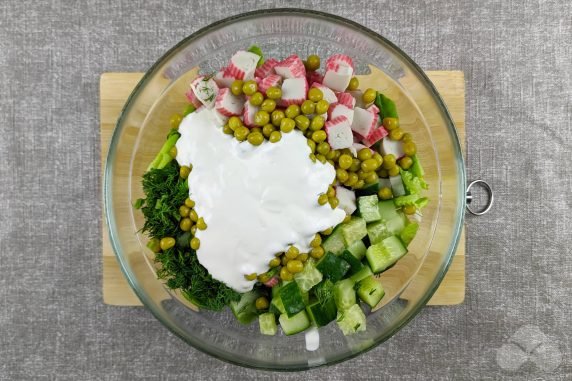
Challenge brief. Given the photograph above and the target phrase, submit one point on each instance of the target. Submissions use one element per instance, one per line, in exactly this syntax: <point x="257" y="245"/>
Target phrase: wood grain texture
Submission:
<point x="116" y="87"/>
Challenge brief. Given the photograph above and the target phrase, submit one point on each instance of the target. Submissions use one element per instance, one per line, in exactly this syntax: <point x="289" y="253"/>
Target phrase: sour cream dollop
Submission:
<point x="256" y="201"/>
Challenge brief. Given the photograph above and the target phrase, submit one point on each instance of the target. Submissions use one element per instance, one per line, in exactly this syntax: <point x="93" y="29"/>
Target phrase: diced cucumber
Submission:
<point x="267" y="322"/>
<point x="308" y="277"/>
<point x="353" y="230"/>
<point x="357" y="249"/>
<point x="387" y="210"/>
<point x="333" y="267"/>
<point x="335" y="242"/>
<point x="397" y="186"/>
<point x="416" y="167"/>
<point x="363" y="273"/>
<point x="369" y="189"/>
<point x="351" y="320"/>
<point x="368" y="208"/>
<point x="324" y="291"/>
<point x="292" y="298"/>
<point x="344" y="294"/>
<point x="409" y="232"/>
<point x="276" y="306"/>
<point x="384" y="254"/>
<point x="245" y="309"/>
<point x="370" y="291"/>
<point x="355" y="264"/>
<point x="294" y="324"/>
<point x="321" y="313"/>
<point x="377" y="232"/>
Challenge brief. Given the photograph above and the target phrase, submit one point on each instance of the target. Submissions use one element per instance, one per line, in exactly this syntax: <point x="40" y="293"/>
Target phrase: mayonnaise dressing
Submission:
<point x="256" y="201"/>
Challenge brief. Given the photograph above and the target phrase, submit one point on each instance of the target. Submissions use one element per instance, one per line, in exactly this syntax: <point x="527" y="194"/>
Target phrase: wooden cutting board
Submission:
<point x="114" y="88"/>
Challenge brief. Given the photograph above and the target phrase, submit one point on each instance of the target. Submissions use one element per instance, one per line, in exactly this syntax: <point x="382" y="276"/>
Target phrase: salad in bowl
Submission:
<point x="284" y="188"/>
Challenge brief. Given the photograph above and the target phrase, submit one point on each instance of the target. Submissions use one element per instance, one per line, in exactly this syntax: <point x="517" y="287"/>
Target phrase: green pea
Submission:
<point x="369" y="95"/>
<point x="319" y="136"/>
<point x="167" y="243"/>
<point x="322" y="107"/>
<point x="241" y="133"/>
<point x="362" y="174"/>
<point x="315" y="94"/>
<point x="378" y="158"/>
<point x="302" y="122"/>
<point x="334" y="202"/>
<point x="185" y="224"/>
<point x="274" y="93"/>
<point x="345" y="161"/>
<point x="193" y="215"/>
<point x="312" y="145"/>
<point x="371" y="178"/>
<point x="287" y="125"/>
<point x="256" y="99"/>
<point x="261" y="118"/>
<point x="393" y="171"/>
<point x="185" y="171"/>
<point x="312" y="157"/>
<point x="261" y="303"/>
<point x="409" y="148"/>
<point x="322" y="199"/>
<point x="274" y="262"/>
<point x="359" y="184"/>
<point x="285" y="274"/>
<point x="321" y="158"/>
<point x="341" y="175"/>
<point x="250" y="276"/>
<point x="234" y="122"/>
<point x="390" y="123"/>
<point x="354" y="84"/>
<point x="292" y="252"/>
<point x="268" y="105"/>
<point x="316" y="241"/>
<point x="184" y="210"/>
<point x="409" y="209"/>
<point x="295" y="266"/>
<point x="352" y="179"/>
<point x="396" y="134"/>
<point x="236" y="87"/>
<point x="388" y="161"/>
<point x="323" y="148"/>
<point x="255" y="138"/>
<point x="364" y="154"/>
<point x="317" y="122"/>
<point x="312" y="62"/>
<point x="308" y="107"/>
<point x="382" y="172"/>
<point x="189" y="203"/>
<point x="356" y="165"/>
<point x="250" y="87"/>
<point x="369" y="165"/>
<point x="154" y="245"/>
<point x="267" y="130"/>
<point x="201" y="224"/>
<point x="317" y="252"/>
<point x="333" y="155"/>
<point x="275" y="137"/>
<point x="292" y="111"/>
<point x="385" y="193"/>
<point x="406" y="162"/>
<point x="407" y="137"/>
<point x="331" y="191"/>
<point x="276" y="117"/>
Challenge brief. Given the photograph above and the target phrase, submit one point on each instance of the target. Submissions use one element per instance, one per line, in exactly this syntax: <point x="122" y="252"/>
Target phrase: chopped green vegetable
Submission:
<point x="294" y="324"/>
<point x="292" y="298"/>
<point x="335" y="242"/>
<point x="384" y="254"/>
<point x="354" y="230"/>
<point x="321" y="313"/>
<point x="351" y="320"/>
<point x="363" y="273"/>
<point x="355" y="264"/>
<point x="370" y="291"/>
<point x="245" y="309"/>
<point x="344" y="294"/>
<point x="386" y="106"/>
<point x="332" y="267"/>
<point x="267" y="322"/>
<point x="256" y="50"/>
<point x="413" y="184"/>
<point x="308" y="277"/>
<point x="357" y="249"/>
<point x="368" y="210"/>
<point x="409" y="233"/>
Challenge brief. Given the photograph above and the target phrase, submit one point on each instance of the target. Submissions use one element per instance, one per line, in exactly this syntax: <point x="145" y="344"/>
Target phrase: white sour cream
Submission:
<point x="256" y="201"/>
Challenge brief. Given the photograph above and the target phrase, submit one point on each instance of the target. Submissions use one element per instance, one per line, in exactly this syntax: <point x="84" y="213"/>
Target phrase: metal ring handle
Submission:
<point x="470" y="197"/>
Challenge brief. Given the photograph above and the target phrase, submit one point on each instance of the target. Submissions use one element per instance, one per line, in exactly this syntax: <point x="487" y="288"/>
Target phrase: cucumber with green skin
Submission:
<point x="368" y="209"/>
<point x="384" y="254"/>
<point x="332" y="267"/>
<point x="292" y="298"/>
<point x="344" y="294"/>
<point x="355" y="264"/>
<point x="267" y="323"/>
<point x="294" y="324"/>
<point x="353" y="230"/>
<point x="357" y="249"/>
<point x="351" y="320"/>
<point x="335" y="242"/>
<point x="370" y="291"/>
<point x="321" y="313"/>
<point x="245" y="309"/>
<point x="362" y="274"/>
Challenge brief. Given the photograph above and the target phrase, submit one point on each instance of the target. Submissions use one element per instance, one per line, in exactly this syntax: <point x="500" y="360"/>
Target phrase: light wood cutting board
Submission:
<point x="116" y="87"/>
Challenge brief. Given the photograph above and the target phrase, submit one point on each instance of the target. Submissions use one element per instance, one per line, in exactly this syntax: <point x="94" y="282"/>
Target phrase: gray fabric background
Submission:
<point x="518" y="64"/>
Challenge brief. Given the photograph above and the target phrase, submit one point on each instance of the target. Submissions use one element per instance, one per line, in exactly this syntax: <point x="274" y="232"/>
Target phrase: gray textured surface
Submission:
<point x="518" y="65"/>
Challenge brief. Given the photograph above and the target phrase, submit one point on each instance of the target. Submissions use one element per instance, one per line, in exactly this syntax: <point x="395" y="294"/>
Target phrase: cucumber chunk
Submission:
<point x="335" y="242"/>
<point x="408" y="233"/>
<point x="384" y="254"/>
<point x="377" y="232"/>
<point x="355" y="264"/>
<point x="294" y="324"/>
<point x="308" y="277"/>
<point x="357" y="249"/>
<point x="351" y="320"/>
<point x="353" y="230"/>
<point x="397" y="186"/>
<point x="344" y="294"/>
<point x="362" y="274"/>
<point x="387" y="210"/>
<point x="267" y="322"/>
<point x="292" y="298"/>
<point x="276" y="306"/>
<point x="333" y="267"/>
<point x="370" y="291"/>
<point x="368" y="208"/>
<point x="245" y="309"/>
<point x="321" y="313"/>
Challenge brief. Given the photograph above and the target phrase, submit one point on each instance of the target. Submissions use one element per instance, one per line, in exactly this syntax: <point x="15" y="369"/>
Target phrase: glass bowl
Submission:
<point x="143" y="124"/>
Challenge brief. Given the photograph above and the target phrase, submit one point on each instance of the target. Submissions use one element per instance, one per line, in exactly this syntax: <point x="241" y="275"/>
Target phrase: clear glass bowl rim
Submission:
<point x="111" y="226"/>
